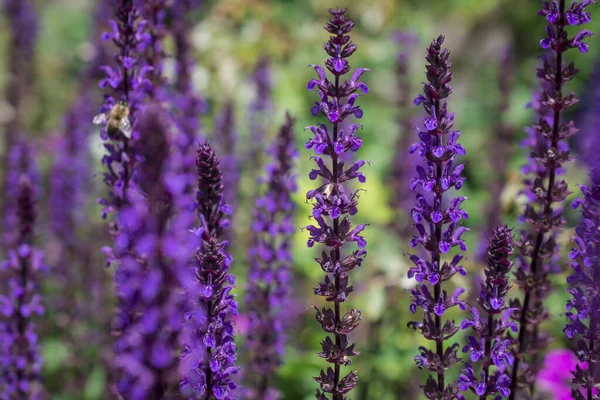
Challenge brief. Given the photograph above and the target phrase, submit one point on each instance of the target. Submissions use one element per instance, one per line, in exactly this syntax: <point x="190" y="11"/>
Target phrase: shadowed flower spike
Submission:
<point x="437" y="223"/>
<point x="490" y="346"/>
<point x="545" y="191"/>
<point x="333" y="203"/>
<point x="20" y="359"/>
<point x="270" y="267"/>
<point x="209" y="352"/>
<point x="583" y="309"/>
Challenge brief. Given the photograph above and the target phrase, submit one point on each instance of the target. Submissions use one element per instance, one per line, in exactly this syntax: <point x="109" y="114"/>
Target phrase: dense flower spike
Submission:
<point x="438" y="223"/>
<point x="500" y="149"/>
<point x="402" y="166"/>
<point x="333" y="204"/>
<point x="270" y="267"/>
<point x="583" y="309"/>
<point x="154" y="13"/>
<point x="546" y="192"/>
<point x="490" y="345"/>
<point x="260" y="108"/>
<point x="209" y="353"/>
<point x="128" y="84"/>
<point x="154" y="247"/>
<point x="20" y="359"/>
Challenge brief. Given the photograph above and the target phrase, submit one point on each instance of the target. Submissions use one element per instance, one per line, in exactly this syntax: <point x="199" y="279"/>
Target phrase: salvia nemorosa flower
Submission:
<point x="546" y="192"/>
<point x="402" y="166"/>
<point x="438" y="224"/>
<point x="583" y="309"/>
<point x="270" y="267"/>
<point x="501" y="148"/>
<point x="209" y="353"/>
<point x="154" y="13"/>
<point x="259" y="111"/>
<point x="127" y="83"/>
<point x="333" y="205"/>
<point x="20" y="359"/>
<point x="226" y="138"/>
<point x="154" y="246"/>
<point x="490" y="345"/>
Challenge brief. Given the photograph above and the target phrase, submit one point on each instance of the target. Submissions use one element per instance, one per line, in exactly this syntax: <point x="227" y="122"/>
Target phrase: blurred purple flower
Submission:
<point x="546" y="193"/>
<point x="270" y="267"/>
<point x="333" y="205"/>
<point x="209" y="352"/>
<point x="20" y="359"/>
<point x="555" y="376"/>
<point x="226" y="139"/>
<point x="260" y="109"/>
<point x="583" y="309"/>
<point x="438" y="223"/>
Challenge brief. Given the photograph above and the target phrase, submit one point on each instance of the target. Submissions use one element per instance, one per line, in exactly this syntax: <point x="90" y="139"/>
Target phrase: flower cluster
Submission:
<point x="153" y="247"/>
<point x="129" y="85"/>
<point x="270" y="264"/>
<point x="546" y="192"/>
<point x="491" y="346"/>
<point x="333" y="204"/>
<point x="20" y="358"/>
<point x="209" y="352"/>
<point x="583" y="309"/>
<point x="438" y="223"/>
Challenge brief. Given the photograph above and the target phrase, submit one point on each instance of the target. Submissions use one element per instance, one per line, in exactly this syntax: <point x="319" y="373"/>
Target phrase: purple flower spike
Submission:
<point x="209" y="352"/>
<point x="333" y="203"/>
<point x="270" y="264"/>
<point x="546" y="192"/>
<point x="20" y="359"/>
<point x="437" y="230"/>
<point x="583" y="309"/>
<point x="259" y="111"/>
<point x="490" y="346"/>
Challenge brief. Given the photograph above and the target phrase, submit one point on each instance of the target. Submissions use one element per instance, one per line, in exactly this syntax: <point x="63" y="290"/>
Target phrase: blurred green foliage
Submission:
<point x="230" y="37"/>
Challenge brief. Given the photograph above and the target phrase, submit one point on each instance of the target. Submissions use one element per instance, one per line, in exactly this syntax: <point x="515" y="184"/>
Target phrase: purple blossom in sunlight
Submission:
<point x="333" y="203"/>
<point x="438" y="223"/>
<point x="20" y="357"/>
<point x="270" y="267"/>
<point x="209" y="352"/>
<point x="545" y="191"/>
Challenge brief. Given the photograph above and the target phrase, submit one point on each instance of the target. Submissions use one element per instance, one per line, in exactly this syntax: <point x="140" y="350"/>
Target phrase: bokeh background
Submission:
<point x="230" y="37"/>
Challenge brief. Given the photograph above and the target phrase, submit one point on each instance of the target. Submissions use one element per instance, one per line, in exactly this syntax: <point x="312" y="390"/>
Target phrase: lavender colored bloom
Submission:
<point x="259" y="111"/>
<point x="209" y="354"/>
<point x="129" y="84"/>
<point x="490" y="345"/>
<point x="270" y="265"/>
<point x="583" y="309"/>
<point x="226" y="138"/>
<point x="546" y="192"/>
<point x="438" y="223"/>
<point x="402" y="165"/>
<point x="153" y="246"/>
<point x="333" y="205"/>
<point x="154" y="13"/>
<point x="20" y="359"/>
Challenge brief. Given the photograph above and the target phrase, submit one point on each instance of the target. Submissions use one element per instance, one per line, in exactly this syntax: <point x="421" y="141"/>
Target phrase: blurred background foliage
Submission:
<point x="230" y="37"/>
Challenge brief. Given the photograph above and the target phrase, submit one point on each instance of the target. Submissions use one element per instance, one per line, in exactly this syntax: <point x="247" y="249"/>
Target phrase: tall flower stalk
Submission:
<point x="20" y="358"/>
<point x="209" y="353"/>
<point x="490" y="345"/>
<point x="260" y="109"/>
<point x="226" y="139"/>
<point x="545" y="190"/>
<point x="438" y="224"/>
<point x="270" y="267"/>
<point x="333" y="204"/>
<point x="154" y="247"/>
<point x="583" y="317"/>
